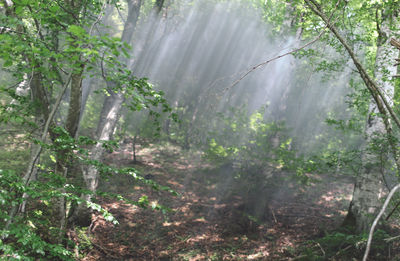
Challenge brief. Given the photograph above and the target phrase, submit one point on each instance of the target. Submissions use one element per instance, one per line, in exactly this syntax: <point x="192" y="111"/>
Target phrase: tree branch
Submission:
<point x="255" y="67"/>
<point x="380" y="99"/>
<point x="395" y="43"/>
<point x="371" y="232"/>
<point x="372" y="86"/>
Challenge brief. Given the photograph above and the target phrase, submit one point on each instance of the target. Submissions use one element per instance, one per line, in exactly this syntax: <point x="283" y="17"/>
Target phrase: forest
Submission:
<point x="199" y="130"/>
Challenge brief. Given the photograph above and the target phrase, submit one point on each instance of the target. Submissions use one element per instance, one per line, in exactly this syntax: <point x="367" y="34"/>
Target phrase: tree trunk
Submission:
<point x="109" y="117"/>
<point x="369" y="188"/>
<point x="71" y="125"/>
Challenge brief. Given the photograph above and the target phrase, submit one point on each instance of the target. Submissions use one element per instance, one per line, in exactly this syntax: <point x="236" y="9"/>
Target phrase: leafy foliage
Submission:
<point x="26" y="238"/>
<point x="253" y="143"/>
<point x="343" y="245"/>
<point x="45" y="46"/>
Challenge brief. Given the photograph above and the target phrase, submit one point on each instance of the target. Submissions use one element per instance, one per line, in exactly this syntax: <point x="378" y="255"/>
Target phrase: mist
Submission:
<point x="193" y="124"/>
<point x="207" y="59"/>
<point x="199" y="55"/>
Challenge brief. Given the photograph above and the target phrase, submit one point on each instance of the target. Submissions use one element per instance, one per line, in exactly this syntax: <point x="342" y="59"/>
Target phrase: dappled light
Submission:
<point x="199" y="130"/>
<point x="201" y="225"/>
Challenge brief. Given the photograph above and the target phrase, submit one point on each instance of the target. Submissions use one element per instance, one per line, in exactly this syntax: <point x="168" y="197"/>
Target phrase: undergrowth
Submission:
<point x="340" y="245"/>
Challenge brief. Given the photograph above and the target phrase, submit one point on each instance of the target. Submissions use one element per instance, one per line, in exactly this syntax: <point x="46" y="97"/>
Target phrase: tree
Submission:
<point x="59" y="36"/>
<point x="368" y="188"/>
<point x="113" y="102"/>
<point x="109" y="116"/>
<point x="51" y="46"/>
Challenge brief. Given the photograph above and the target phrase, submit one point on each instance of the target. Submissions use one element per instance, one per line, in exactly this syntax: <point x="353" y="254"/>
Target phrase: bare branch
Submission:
<point x="395" y="43"/>
<point x="371" y="232"/>
<point x="391" y="239"/>
<point x="393" y="210"/>
<point x="255" y="67"/>
<point x="372" y="86"/>
<point x="120" y="15"/>
<point x="99" y="17"/>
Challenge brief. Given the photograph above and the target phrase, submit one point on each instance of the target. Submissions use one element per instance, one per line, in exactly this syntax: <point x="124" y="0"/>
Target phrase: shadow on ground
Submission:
<point x="215" y="217"/>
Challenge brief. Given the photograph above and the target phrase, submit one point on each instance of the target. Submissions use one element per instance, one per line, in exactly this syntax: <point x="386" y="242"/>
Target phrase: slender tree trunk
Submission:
<point x="109" y="117"/>
<point x="40" y="100"/>
<point x="134" y="142"/>
<point x="72" y="123"/>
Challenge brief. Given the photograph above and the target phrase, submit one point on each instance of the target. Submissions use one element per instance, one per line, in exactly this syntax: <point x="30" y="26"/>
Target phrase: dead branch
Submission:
<point x="391" y="239"/>
<point x="322" y="250"/>
<point x="255" y="67"/>
<point x="393" y="210"/>
<point x="273" y="214"/>
<point x="108" y="252"/>
<point x="342" y="250"/>
<point x="297" y="257"/>
<point x="371" y="232"/>
<point x="395" y="43"/>
<point x="397" y="62"/>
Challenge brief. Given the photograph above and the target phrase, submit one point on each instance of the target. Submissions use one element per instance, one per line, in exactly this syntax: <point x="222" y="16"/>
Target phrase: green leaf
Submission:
<point x="19" y="10"/>
<point x="53" y="159"/>
<point x="7" y="63"/>
<point x="76" y="30"/>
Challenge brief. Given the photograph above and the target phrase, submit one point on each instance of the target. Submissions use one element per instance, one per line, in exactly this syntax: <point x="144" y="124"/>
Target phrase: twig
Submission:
<point x="98" y="18"/>
<point x="320" y="247"/>
<point x="371" y="232"/>
<point x="273" y="214"/>
<point x="395" y="43"/>
<point x="391" y="239"/>
<point x="255" y="67"/>
<point x="391" y="212"/>
<point x="342" y="250"/>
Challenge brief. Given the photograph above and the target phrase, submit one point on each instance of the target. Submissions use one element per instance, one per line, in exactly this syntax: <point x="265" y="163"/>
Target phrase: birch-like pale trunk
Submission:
<point x="109" y="117"/>
<point x="367" y="192"/>
<point x="369" y="188"/>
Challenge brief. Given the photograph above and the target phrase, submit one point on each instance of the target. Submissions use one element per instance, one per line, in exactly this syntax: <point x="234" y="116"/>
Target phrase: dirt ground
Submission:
<point x="209" y="221"/>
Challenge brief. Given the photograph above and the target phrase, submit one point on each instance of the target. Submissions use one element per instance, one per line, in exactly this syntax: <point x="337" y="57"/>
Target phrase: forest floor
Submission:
<point x="204" y="224"/>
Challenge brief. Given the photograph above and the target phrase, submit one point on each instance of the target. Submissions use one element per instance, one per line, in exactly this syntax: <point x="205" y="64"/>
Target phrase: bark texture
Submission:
<point x="369" y="188"/>
<point x="109" y="117"/>
<point x="367" y="191"/>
